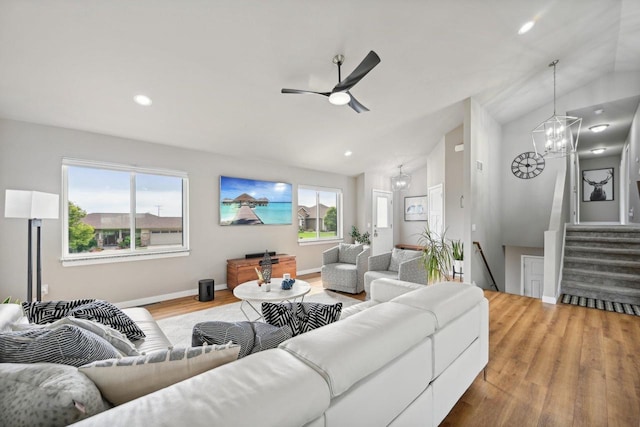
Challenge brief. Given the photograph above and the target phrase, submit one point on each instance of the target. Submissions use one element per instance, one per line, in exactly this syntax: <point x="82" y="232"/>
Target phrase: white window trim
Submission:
<point x="130" y="254"/>
<point x="319" y="240"/>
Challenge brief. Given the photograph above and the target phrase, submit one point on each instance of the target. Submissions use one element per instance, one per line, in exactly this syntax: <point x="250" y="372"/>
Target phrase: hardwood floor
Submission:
<point x="554" y="365"/>
<point x="549" y="365"/>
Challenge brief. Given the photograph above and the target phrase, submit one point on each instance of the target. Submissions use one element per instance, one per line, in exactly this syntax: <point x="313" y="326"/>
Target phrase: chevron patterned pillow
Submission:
<point x="42" y="312"/>
<point x="110" y="315"/>
<point x="301" y="316"/>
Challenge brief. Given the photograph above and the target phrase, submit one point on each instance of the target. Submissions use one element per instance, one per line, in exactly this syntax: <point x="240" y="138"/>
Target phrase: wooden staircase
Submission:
<point x="603" y="262"/>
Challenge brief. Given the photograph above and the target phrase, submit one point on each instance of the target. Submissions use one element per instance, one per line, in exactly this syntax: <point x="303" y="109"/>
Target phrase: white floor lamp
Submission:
<point x="35" y="206"/>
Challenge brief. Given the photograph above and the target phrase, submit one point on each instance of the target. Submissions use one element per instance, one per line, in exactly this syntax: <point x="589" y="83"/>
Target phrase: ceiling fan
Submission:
<point x="340" y="94"/>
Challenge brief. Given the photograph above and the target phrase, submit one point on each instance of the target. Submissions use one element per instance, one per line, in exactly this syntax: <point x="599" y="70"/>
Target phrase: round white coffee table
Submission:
<point x="250" y="292"/>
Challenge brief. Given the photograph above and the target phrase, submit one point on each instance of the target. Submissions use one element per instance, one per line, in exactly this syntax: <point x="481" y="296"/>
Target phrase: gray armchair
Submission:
<point x="401" y="264"/>
<point x="343" y="268"/>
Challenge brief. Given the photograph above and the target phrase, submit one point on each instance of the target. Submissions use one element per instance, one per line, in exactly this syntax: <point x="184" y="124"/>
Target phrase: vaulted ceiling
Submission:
<point x="215" y="69"/>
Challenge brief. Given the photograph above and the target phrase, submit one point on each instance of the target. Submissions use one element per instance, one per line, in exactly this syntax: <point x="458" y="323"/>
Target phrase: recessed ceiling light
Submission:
<point x="599" y="111"/>
<point x="348" y="153"/>
<point x="598" y="150"/>
<point x="598" y="128"/>
<point x="143" y="100"/>
<point x="526" y="27"/>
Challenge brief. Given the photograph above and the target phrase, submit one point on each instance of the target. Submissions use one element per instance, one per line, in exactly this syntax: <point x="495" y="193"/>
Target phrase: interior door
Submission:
<point x="382" y="240"/>
<point x="532" y="276"/>
<point x="436" y="209"/>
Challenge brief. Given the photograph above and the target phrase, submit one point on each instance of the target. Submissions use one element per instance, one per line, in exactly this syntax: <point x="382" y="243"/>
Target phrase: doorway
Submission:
<point x="532" y="277"/>
<point x="382" y="239"/>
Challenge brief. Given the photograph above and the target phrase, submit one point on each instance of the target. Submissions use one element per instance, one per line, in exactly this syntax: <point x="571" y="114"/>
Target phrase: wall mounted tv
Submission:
<point x="254" y="202"/>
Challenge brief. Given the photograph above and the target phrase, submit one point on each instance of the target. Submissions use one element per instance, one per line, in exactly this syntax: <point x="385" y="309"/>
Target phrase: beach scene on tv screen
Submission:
<point x="254" y="202"/>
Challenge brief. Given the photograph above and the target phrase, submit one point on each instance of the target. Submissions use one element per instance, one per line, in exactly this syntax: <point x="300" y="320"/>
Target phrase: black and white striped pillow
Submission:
<point x="67" y="344"/>
<point x="301" y="317"/>
<point x="42" y="312"/>
<point x="252" y="337"/>
<point x="110" y="315"/>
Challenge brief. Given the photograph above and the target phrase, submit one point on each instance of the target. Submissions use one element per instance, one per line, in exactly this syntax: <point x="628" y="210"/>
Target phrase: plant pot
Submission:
<point x="457" y="266"/>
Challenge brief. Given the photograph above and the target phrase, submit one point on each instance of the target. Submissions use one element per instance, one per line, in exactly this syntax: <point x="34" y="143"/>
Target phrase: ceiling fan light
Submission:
<point x="339" y="98"/>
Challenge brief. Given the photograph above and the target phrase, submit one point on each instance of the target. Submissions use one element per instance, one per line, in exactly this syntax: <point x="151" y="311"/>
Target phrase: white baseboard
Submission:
<point x="549" y="300"/>
<point x="165" y="297"/>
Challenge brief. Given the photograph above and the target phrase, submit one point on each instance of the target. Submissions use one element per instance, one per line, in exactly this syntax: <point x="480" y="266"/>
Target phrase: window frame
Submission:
<point x="339" y="217"/>
<point x="130" y="254"/>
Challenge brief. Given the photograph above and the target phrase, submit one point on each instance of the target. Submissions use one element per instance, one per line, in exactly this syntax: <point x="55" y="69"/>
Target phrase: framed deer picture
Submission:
<point x="597" y="185"/>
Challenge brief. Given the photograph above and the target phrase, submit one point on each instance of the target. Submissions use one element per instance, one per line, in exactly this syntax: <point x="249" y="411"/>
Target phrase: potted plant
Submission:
<point x="436" y="255"/>
<point x="364" y="238"/>
<point x="457" y="248"/>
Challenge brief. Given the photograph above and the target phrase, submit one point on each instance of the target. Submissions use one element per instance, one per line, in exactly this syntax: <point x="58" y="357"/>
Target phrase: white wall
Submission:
<point x="607" y="211"/>
<point x="513" y="266"/>
<point x="484" y="140"/>
<point x="634" y="167"/>
<point x="454" y="185"/>
<point x="408" y="232"/>
<point x="30" y="159"/>
<point x="526" y="203"/>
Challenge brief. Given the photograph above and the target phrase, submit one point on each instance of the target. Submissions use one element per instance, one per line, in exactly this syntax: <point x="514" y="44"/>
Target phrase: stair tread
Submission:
<point x="623" y="251"/>
<point x="604" y="274"/>
<point x="603" y="261"/>
<point x="603" y="239"/>
<point x="616" y="228"/>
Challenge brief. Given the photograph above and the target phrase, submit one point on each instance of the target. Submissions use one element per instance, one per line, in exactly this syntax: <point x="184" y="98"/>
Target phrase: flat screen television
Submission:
<point x="254" y="202"/>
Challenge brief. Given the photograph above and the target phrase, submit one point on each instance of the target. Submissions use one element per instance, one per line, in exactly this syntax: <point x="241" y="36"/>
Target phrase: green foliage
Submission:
<point x="364" y="238"/>
<point x="81" y="235"/>
<point x="126" y="243"/>
<point x="331" y="219"/>
<point x="436" y="254"/>
<point x="7" y="300"/>
<point x="457" y="247"/>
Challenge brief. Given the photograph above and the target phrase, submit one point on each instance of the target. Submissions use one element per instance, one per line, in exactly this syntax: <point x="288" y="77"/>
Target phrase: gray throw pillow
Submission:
<point x="67" y="344"/>
<point x="46" y="394"/>
<point x="348" y="253"/>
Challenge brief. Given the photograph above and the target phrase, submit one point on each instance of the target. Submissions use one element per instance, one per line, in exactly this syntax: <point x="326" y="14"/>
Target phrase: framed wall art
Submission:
<point x="254" y="202"/>
<point x="597" y="185"/>
<point x="415" y="208"/>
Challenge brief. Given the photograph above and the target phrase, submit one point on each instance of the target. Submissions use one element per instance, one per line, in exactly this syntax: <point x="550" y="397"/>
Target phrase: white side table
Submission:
<point x="250" y="292"/>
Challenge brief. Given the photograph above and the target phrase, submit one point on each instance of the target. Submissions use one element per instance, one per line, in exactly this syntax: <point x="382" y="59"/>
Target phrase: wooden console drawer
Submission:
<point x="242" y="270"/>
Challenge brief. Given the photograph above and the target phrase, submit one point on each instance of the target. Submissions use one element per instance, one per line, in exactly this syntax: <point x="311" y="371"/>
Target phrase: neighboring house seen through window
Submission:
<point x="116" y="212"/>
<point x="319" y="214"/>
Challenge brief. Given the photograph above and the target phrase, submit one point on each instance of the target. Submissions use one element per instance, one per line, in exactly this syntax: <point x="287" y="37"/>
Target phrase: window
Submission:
<point x="115" y="212"/>
<point x="319" y="214"/>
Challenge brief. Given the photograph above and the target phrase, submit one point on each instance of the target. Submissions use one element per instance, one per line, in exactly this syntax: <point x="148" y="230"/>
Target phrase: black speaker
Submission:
<point x="205" y="292"/>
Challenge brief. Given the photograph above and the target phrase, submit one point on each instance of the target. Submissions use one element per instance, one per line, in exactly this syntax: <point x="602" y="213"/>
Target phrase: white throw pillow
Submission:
<point x="122" y="380"/>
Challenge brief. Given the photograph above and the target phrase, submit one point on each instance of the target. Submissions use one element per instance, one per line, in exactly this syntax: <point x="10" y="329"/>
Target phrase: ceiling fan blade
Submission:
<point x="359" y="108"/>
<point x="305" y="92"/>
<point x="371" y="60"/>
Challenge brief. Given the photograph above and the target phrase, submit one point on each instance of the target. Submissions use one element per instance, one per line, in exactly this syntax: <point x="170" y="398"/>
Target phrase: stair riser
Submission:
<point x="602" y="244"/>
<point x="603" y="281"/>
<point x="576" y="253"/>
<point x="603" y="267"/>
<point x="603" y="295"/>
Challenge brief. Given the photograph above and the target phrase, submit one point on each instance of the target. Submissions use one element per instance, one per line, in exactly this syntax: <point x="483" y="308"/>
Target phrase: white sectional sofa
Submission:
<point x="403" y="358"/>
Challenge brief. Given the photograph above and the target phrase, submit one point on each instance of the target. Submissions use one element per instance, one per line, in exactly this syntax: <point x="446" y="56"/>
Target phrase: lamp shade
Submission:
<point x="30" y="204"/>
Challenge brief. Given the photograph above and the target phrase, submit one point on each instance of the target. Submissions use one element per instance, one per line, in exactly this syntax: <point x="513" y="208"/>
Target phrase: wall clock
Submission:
<point x="527" y="165"/>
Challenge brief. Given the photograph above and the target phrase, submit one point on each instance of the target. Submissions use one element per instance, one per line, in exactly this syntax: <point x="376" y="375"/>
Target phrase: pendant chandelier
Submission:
<point x="400" y="182"/>
<point x="554" y="137"/>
